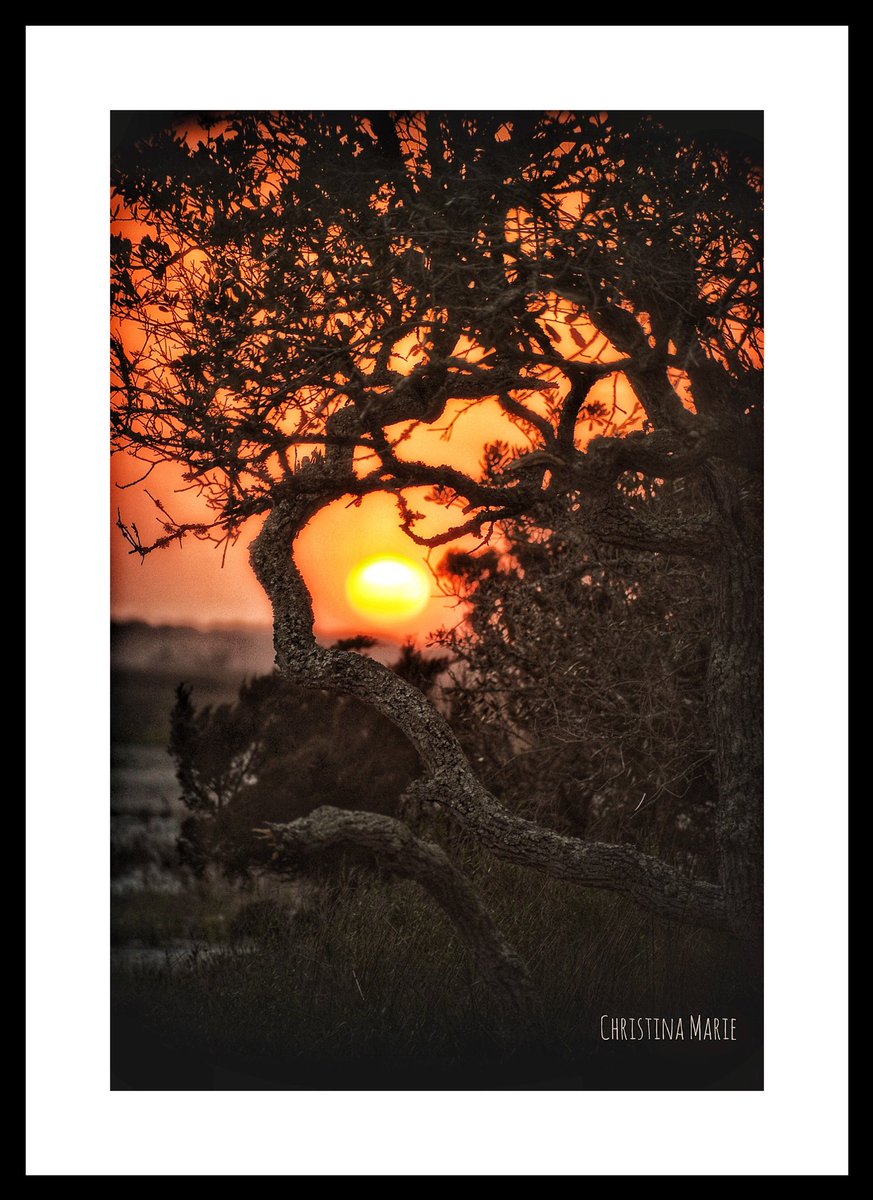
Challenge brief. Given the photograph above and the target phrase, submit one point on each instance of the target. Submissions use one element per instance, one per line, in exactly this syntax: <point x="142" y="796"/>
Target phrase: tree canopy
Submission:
<point x="289" y="268"/>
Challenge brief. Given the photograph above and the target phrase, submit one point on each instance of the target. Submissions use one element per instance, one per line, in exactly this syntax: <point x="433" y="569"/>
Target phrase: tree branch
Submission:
<point x="398" y="852"/>
<point x="609" y="518"/>
<point x="449" y="780"/>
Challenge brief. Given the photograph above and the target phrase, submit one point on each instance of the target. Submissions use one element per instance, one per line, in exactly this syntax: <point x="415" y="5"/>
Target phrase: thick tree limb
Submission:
<point x="396" y="850"/>
<point x="610" y="518"/>
<point x="662" y="454"/>
<point x="448" y="777"/>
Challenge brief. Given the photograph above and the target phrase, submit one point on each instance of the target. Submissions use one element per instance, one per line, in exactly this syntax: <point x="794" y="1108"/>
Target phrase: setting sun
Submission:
<point x="388" y="587"/>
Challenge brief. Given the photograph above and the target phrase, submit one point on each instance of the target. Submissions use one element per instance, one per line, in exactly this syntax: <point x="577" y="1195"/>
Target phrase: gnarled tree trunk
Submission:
<point x="735" y="683"/>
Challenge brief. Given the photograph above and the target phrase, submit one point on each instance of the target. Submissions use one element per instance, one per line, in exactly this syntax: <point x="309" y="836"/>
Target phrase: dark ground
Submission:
<point x="364" y="985"/>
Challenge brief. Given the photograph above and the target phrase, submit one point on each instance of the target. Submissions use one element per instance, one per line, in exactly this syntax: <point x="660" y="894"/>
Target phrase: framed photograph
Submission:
<point x="397" y="736"/>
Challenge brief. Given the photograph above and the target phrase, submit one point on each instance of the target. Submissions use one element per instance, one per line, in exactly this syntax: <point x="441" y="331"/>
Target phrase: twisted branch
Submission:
<point x="448" y="778"/>
<point x="398" y="852"/>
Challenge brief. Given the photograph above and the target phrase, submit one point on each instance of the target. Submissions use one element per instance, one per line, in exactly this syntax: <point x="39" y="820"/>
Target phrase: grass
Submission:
<point x="365" y="984"/>
<point x="201" y="912"/>
<point x="368" y="986"/>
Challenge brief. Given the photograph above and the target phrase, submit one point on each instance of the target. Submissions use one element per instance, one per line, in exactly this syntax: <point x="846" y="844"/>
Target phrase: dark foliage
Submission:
<point x="578" y="684"/>
<point x="278" y="753"/>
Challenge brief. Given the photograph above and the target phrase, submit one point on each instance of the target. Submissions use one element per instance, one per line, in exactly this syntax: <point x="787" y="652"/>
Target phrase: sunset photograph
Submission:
<point x="437" y="599"/>
<point x="437" y="660"/>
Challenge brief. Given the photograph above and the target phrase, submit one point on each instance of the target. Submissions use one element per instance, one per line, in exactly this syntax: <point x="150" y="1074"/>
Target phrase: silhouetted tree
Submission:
<point x="292" y="290"/>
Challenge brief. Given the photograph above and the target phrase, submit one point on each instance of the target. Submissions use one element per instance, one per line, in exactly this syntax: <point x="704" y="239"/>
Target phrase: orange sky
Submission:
<point x="188" y="585"/>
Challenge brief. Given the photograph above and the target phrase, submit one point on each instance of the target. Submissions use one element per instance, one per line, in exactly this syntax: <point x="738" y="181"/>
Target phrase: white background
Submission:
<point x="75" y="76"/>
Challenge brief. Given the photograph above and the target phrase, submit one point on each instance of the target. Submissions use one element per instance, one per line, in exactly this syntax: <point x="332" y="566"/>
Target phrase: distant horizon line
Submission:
<point x="249" y="627"/>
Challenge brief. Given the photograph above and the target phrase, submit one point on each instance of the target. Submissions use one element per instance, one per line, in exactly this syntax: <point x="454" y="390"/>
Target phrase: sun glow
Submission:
<point x="388" y="587"/>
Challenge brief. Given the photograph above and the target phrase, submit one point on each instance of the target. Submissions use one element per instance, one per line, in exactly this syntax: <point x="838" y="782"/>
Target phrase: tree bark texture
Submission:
<point x="397" y="851"/>
<point x="735" y="683"/>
